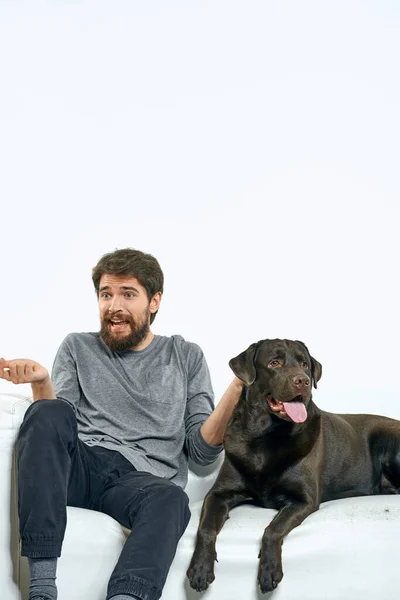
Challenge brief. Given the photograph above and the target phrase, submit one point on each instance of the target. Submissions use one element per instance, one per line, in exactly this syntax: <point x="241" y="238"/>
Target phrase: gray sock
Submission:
<point x="43" y="578"/>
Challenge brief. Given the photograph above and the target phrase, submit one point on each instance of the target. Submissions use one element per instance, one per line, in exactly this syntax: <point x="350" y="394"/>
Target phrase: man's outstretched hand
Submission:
<point x="24" y="370"/>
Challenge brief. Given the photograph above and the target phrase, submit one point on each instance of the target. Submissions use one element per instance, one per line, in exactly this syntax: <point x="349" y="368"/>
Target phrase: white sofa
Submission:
<point x="348" y="550"/>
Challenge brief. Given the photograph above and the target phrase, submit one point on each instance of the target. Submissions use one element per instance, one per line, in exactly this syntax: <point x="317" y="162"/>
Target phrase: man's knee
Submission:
<point x="170" y="497"/>
<point x="47" y="416"/>
<point x="49" y="409"/>
<point x="176" y="494"/>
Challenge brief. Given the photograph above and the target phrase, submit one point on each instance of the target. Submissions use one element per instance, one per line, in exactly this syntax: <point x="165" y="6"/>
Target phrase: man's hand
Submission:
<point x="24" y="370"/>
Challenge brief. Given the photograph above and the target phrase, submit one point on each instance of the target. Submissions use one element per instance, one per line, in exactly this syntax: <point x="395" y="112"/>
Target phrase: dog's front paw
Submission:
<point x="200" y="575"/>
<point x="269" y="574"/>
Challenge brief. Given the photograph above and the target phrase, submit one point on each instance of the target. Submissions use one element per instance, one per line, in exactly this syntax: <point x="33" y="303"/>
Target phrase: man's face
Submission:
<point x="124" y="312"/>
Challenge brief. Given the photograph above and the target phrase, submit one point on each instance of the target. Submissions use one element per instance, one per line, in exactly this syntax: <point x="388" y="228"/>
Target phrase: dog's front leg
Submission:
<point x="270" y="568"/>
<point x="214" y="513"/>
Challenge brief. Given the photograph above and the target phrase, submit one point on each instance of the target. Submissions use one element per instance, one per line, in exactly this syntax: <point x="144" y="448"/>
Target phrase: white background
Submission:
<point x="253" y="147"/>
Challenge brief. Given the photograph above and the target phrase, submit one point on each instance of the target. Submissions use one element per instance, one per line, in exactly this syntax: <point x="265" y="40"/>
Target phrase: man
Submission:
<point x="112" y="430"/>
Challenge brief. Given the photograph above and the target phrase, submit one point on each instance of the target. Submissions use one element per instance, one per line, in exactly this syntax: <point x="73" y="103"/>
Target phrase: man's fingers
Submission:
<point x="21" y="373"/>
<point x="4" y="373"/>
<point x="4" y="363"/>
<point x="17" y="372"/>
<point x="13" y="372"/>
<point x="21" y="370"/>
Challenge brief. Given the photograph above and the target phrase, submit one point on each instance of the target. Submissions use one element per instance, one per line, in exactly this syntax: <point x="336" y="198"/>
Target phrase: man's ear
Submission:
<point x="155" y="302"/>
<point x="243" y="365"/>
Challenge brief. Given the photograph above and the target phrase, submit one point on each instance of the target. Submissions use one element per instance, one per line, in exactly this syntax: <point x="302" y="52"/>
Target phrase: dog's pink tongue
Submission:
<point x="296" y="411"/>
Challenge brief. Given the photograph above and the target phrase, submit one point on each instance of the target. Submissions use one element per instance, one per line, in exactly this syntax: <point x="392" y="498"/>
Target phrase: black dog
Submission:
<point x="283" y="452"/>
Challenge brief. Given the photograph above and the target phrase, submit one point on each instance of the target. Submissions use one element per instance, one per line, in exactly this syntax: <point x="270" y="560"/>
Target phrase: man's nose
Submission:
<point x="115" y="305"/>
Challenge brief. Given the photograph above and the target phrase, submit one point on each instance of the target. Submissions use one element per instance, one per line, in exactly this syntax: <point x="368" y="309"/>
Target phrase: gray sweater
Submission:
<point x="147" y="404"/>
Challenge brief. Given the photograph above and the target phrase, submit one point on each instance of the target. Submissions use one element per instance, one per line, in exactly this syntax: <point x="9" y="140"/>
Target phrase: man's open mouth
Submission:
<point x="118" y="324"/>
<point x="294" y="409"/>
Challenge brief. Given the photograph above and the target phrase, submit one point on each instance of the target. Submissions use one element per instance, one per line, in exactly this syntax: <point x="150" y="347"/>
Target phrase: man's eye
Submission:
<point x="105" y="295"/>
<point x="129" y="295"/>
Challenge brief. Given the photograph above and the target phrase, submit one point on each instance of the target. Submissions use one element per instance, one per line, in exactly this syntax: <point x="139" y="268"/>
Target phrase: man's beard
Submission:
<point x="121" y="343"/>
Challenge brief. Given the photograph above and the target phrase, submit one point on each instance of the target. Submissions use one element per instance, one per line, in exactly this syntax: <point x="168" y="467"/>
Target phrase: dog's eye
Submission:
<point x="304" y="364"/>
<point x="274" y="363"/>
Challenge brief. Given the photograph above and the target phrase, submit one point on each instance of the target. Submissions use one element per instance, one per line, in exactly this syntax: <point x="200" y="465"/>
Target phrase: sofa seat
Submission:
<point x="346" y="550"/>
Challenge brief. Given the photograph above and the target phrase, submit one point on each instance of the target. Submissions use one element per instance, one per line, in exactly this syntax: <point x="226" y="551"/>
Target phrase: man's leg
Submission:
<point x="53" y="467"/>
<point x="46" y="442"/>
<point x="157" y="512"/>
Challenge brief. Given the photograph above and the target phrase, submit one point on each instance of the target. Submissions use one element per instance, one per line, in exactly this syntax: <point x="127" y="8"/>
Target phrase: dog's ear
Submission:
<point x="316" y="367"/>
<point x="316" y="370"/>
<point x="243" y="365"/>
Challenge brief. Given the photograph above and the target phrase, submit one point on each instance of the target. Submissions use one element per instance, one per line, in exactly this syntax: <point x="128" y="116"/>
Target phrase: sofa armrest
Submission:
<point x="12" y="410"/>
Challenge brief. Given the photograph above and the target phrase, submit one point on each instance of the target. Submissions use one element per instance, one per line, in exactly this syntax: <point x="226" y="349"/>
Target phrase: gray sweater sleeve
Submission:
<point x="200" y="404"/>
<point x="64" y="376"/>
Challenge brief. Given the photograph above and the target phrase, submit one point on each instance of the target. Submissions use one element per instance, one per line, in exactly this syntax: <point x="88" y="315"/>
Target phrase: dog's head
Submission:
<point x="280" y="373"/>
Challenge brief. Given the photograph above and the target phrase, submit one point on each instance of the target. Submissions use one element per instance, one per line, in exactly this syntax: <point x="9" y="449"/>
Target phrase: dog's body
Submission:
<point x="283" y="452"/>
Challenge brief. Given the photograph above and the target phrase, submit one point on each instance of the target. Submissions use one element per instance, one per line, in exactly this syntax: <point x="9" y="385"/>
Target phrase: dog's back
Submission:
<point x="358" y="452"/>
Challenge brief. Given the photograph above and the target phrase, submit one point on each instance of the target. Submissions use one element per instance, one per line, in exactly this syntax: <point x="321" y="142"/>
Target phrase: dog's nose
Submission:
<point x="301" y="380"/>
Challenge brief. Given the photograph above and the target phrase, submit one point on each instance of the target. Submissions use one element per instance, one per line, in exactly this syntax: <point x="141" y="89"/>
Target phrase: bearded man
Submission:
<point x="112" y="430"/>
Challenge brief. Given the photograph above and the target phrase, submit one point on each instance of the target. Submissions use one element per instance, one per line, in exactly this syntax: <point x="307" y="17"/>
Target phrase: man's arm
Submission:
<point x="205" y="423"/>
<point x="24" y="370"/>
<point x="213" y="428"/>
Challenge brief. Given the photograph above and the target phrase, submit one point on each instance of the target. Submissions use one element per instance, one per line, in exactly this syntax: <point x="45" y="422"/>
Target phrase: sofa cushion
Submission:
<point x="347" y="550"/>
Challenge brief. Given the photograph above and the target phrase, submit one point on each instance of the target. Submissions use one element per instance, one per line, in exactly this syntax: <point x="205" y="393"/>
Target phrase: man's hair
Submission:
<point x="132" y="263"/>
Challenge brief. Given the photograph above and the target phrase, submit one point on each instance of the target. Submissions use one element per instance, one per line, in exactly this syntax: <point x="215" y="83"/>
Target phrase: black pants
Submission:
<point x="55" y="468"/>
